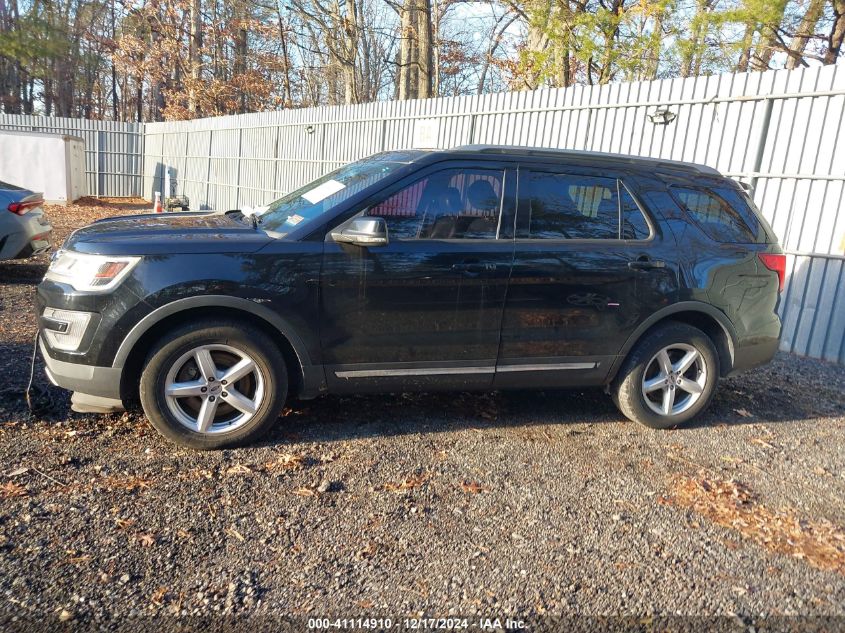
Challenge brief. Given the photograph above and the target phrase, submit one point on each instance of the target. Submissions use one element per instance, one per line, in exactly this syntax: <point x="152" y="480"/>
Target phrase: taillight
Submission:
<point x="775" y="262"/>
<point x="22" y="206"/>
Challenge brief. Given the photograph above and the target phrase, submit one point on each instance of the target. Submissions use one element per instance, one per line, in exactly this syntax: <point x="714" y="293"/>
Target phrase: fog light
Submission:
<point x="69" y="329"/>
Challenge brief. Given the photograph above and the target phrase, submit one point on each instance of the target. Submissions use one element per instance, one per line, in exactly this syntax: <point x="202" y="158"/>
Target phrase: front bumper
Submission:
<point x="100" y="382"/>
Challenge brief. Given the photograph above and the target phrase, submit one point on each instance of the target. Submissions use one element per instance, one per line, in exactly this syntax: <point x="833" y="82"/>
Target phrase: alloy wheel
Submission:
<point x="674" y="379"/>
<point x="214" y="388"/>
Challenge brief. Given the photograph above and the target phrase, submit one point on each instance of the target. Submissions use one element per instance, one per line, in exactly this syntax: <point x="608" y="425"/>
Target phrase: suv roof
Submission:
<point x="605" y="157"/>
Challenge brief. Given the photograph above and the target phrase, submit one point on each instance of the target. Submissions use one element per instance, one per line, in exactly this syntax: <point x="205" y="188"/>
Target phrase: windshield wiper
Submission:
<point x="253" y="220"/>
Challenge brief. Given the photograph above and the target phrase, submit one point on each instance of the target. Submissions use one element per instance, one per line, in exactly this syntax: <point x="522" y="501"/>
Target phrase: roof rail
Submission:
<point x="669" y="164"/>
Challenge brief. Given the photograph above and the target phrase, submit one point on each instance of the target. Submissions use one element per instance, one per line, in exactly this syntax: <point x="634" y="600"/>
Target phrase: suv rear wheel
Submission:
<point x="669" y="377"/>
<point x="215" y="384"/>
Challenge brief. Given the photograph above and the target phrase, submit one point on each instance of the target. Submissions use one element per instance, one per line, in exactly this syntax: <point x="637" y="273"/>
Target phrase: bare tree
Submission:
<point x="837" y="32"/>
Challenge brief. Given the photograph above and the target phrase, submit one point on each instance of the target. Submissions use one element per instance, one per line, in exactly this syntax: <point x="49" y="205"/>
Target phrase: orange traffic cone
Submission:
<point x="157" y="208"/>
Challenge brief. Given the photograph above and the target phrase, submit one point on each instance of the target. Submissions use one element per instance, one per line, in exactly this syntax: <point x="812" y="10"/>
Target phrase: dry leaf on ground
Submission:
<point x="233" y="532"/>
<point x="287" y="461"/>
<point x="731" y="504"/>
<point x="239" y="469"/>
<point x="130" y="483"/>
<point x="123" y="523"/>
<point x="408" y="484"/>
<point x="158" y="597"/>
<point x="12" y="489"/>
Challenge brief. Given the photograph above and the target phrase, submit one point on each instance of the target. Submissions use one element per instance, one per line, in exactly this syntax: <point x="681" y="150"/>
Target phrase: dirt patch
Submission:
<point x="733" y="505"/>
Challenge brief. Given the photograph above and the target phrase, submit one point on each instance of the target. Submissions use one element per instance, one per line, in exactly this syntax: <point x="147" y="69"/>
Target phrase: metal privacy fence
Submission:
<point x="113" y="151"/>
<point x="782" y="131"/>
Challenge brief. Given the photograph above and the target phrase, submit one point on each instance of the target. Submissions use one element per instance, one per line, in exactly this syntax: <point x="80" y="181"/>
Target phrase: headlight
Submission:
<point x="90" y="273"/>
<point x="64" y="329"/>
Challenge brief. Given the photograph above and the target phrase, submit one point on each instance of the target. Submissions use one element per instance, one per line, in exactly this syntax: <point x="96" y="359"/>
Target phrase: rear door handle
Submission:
<point x="645" y="262"/>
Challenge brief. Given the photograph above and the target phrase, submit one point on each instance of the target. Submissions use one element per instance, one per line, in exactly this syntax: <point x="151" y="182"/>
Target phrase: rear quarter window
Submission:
<point x="724" y="213"/>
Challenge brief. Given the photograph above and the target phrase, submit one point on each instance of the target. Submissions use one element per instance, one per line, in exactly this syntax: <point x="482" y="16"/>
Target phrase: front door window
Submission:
<point x="448" y="204"/>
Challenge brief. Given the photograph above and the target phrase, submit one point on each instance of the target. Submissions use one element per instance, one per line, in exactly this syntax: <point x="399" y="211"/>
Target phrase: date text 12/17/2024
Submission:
<point x="416" y="624"/>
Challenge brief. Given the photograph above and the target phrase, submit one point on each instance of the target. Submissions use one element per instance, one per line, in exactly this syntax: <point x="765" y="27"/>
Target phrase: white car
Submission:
<point x="24" y="229"/>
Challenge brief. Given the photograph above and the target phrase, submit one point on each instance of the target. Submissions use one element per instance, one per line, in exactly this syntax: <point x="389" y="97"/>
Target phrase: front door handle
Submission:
<point x="644" y="262"/>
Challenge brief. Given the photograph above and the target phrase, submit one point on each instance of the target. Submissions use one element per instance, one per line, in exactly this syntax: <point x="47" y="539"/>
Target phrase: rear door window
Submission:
<point x="455" y="203"/>
<point x="569" y="206"/>
<point x="724" y="213"/>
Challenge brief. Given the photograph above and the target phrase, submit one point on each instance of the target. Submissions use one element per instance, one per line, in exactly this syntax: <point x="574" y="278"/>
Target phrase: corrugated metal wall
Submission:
<point x="113" y="151"/>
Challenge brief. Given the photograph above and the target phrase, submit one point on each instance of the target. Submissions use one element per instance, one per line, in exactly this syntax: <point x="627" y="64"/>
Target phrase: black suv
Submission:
<point x="479" y="267"/>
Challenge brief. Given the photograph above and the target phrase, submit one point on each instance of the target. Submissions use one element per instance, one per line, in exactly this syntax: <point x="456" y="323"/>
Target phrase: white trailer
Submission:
<point x="52" y="164"/>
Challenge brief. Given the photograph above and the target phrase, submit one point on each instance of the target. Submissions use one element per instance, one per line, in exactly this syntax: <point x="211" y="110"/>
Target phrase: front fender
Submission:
<point x="212" y="301"/>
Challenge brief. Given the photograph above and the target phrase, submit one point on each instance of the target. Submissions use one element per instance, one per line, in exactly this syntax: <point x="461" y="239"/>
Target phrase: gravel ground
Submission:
<point x="486" y="505"/>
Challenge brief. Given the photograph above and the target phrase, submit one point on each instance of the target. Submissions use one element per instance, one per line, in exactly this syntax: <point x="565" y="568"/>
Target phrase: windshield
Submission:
<point x="326" y="193"/>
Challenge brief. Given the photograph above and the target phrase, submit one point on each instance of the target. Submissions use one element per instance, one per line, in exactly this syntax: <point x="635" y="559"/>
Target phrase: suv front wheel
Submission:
<point x="669" y="377"/>
<point x="215" y="384"/>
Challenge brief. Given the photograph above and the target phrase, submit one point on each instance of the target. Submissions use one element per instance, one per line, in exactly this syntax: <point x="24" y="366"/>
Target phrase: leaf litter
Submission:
<point x="733" y="505"/>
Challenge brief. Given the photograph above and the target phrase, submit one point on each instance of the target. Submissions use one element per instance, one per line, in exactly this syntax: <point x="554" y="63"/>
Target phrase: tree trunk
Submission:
<point x="350" y="40"/>
<point x="837" y="33"/>
<point x="769" y="42"/>
<point x="655" y="42"/>
<point x="366" y="81"/>
<point x="241" y="51"/>
<point x="194" y="53"/>
<point x="407" y="88"/>
<point x="745" y="54"/>
<point x="425" y="52"/>
<point x="536" y="42"/>
<point x="139" y="102"/>
<point x="115" y="113"/>
<point x="691" y="57"/>
<point x="806" y="29"/>
<point x="287" y="94"/>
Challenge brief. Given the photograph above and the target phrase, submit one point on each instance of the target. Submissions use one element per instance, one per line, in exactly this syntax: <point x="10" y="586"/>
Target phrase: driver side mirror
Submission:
<point x="363" y="231"/>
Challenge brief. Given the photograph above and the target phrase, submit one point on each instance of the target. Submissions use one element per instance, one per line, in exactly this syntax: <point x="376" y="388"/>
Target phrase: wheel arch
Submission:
<point x="713" y="322"/>
<point x="133" y="350"/>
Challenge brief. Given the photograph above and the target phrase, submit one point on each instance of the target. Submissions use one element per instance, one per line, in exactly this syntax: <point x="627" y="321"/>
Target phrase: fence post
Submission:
<point x="142" y="134"/>
<point x="184" y="164"/>
<point x="208" y="166"/>
<point x="587" y="131"/>
<point x="97" y="166"/>
<point x="276" y="163"/>
<point x="238" y="176"/>
<point x="160" y="186"/>
<point x="761" y="142"/>
<point x="383" y="134"/>
<point x="323" y="147"/>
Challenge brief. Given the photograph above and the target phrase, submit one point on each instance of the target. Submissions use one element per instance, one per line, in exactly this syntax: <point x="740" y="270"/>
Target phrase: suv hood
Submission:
<point x="170" y="233"/>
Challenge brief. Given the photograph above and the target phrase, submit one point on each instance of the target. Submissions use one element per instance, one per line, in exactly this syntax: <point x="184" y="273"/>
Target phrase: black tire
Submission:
<point x="269" y="375"/>
<point x="627" y="389"/>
